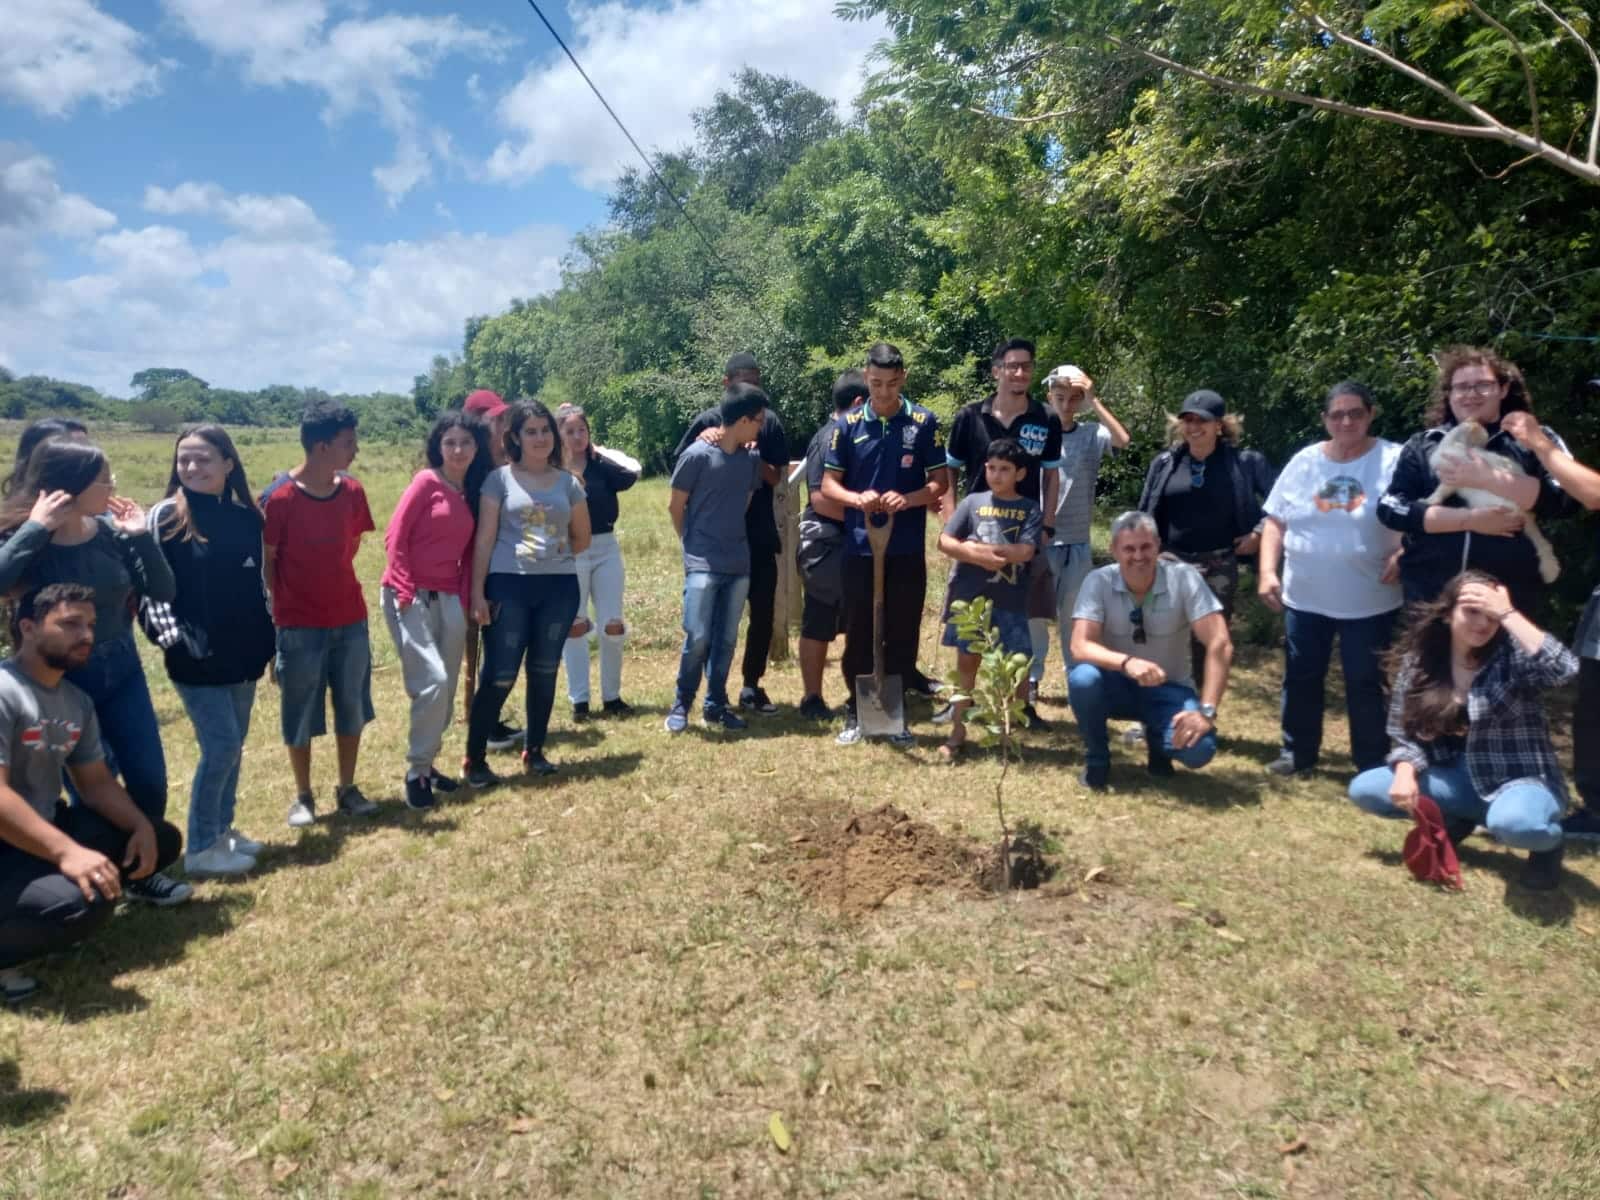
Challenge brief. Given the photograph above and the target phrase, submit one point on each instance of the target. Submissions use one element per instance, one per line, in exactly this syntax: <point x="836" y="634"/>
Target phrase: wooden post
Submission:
<point x="786" y="606"/>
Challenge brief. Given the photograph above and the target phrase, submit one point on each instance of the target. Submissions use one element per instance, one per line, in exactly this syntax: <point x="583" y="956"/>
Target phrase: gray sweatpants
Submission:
<point x="429" y="636"/>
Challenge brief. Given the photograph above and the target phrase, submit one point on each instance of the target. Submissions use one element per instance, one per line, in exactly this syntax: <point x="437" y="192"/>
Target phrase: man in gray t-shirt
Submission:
<point x="61" y="869"/>
<point x="1130" y="650"/>
<point x="711" y="486"/>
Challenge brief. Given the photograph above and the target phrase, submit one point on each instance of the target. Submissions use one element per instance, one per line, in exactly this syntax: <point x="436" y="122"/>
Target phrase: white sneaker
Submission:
<point x="217" y="860"/>
<point x="15" y="987"/>
<point x="302" y="812"/>
<point x="239" y="844"/>
<point x="1133" y="735"/>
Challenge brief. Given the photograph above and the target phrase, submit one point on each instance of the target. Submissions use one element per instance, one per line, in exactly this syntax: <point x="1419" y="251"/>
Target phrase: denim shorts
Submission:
<point x="1011" y="625"/>
<point x="310" y="662"/>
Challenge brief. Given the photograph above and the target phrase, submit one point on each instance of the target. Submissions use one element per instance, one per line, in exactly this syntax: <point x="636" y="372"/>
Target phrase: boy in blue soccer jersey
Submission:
<point x="993" y="536"/>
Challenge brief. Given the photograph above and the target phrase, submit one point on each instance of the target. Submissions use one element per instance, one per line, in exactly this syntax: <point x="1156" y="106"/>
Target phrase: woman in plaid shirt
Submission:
<point x="1467" y="723"/>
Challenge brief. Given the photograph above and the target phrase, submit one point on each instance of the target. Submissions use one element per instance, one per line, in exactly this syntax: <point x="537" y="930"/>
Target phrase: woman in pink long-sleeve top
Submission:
<point x="426" y="589"/>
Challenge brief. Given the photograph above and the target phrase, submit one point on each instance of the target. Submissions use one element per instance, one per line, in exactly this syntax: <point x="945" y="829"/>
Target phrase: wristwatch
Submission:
<point x="1209" y="712"/>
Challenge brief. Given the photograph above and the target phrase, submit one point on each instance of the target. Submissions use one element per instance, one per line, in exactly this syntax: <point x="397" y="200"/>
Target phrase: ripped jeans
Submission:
<point x="531" y="615"/>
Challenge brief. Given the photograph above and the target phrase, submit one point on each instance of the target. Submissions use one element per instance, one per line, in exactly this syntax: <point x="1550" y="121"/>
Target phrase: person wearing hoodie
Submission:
<point x="216" y="634"/>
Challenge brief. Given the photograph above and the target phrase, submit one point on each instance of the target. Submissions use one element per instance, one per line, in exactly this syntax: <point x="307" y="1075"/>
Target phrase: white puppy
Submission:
<point x="1459" y="447"/>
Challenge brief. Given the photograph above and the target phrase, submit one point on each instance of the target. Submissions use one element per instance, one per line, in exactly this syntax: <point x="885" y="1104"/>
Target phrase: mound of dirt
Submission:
<point x="856" y="866"/>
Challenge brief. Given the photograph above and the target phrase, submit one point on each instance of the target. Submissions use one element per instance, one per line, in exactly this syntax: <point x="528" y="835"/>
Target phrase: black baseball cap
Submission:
<point x="1204" y="403"/>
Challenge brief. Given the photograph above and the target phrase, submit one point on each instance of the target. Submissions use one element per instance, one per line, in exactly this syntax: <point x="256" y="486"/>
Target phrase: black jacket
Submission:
<point x="1432" y="559"/>
<point x="602" y="480"/>
<point x="1248" y="470"/>
<point x="221" y="599"/>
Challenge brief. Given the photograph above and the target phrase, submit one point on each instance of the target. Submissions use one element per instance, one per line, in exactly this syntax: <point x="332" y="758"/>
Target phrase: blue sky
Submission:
<point x="321" y="191"/>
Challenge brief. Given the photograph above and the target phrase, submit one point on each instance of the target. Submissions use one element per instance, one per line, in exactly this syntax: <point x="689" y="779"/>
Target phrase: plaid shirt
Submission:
<point x="1507" y="738"/>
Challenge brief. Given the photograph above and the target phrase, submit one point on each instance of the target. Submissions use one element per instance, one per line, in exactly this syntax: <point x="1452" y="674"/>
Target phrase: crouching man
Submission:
<point x="1130" y="647"/>
<point x="61" y="869"/>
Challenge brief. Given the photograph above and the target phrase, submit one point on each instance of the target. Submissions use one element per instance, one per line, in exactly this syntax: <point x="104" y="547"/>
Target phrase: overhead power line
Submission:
<point x="655" y="174"/>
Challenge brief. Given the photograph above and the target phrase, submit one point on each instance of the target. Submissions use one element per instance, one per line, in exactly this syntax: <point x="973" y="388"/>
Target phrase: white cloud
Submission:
<point x="655" y="66"/>
<point x="55" y="54"/>
<point x="33" y="207"/>
<point x="357" y="64"/>
<point x="266" y="218"/>
<point x="261" y="302"/>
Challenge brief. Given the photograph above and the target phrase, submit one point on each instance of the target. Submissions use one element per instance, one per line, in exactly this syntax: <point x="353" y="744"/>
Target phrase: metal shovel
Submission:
<point x="880" y="698"/>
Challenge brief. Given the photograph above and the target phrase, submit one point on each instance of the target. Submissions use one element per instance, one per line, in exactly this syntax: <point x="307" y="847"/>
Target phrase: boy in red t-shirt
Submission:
<point x="316" y="515"/>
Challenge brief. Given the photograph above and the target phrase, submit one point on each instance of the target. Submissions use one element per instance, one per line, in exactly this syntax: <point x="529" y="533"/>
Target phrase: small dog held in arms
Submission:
<point x="1460" y="446"/>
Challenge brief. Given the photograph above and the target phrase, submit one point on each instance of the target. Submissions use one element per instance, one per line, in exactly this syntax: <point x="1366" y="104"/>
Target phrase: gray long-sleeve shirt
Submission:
<point x="115" y="564"/>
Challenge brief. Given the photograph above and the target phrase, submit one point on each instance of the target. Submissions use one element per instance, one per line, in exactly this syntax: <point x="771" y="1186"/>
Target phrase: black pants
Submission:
<point x="41" y="910"/>
<point x="763" y="599"/>
<point x="1586" y="734"/>
<point x="1221" y="571"/>
<point x="905" y="587"/>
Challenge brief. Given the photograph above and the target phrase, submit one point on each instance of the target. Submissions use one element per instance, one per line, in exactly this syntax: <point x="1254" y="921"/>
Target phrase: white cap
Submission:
<point x="1071" y="374"/>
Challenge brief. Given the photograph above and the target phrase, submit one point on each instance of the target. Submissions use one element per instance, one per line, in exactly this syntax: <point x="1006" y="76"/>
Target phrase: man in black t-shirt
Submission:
<point x="760" y="528"/>
<point x="1012" y="412"/>
<point x="820" y="555"/>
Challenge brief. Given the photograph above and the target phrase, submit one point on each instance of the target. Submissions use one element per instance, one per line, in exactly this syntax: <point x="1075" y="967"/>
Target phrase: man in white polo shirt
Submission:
<point x="1130" y="650"/>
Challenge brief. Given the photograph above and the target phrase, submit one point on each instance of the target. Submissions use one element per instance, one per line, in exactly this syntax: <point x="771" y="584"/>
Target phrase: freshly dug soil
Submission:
<point x="858" y="865"/>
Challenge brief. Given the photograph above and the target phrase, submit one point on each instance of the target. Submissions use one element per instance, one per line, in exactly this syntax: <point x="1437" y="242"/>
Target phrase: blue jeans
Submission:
<point x="712" y="602"/>
<point x="1096" y="696"/>
<point x="129" y="732"/>
<point x="1307" y="648"/>
<point x="313" y="661"/>
<point x="1526" y="815"/>
<point x="221" y="718"/>
<point x="532" y="616"/>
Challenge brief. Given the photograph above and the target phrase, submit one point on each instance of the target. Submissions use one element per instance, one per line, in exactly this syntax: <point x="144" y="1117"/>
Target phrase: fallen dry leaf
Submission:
<point x="779" y="1132"/>
<point x="521" y="1125"/>
<point x="1227" y="935"/>
<point x="1093" y="874"/>
<point x="1562" y="1082"/>
<point x="966" y="985"/>
<point x="503" y="1171"/>
<point x="284" y="1168"/>
<point x="1298" y="1146"/>
<point x="444" y="1094"/>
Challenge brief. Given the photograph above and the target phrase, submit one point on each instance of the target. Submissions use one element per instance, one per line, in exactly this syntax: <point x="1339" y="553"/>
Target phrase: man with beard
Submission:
<point x="61" y="869"/>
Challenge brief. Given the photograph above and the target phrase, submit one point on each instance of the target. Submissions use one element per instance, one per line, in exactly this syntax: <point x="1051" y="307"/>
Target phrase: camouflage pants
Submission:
<point x="1221" y="571"/>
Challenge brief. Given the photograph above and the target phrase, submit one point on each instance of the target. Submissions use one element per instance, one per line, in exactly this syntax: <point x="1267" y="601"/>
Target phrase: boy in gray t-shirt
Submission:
<point x="711" y="487"/>
<point x="61" y="869"/>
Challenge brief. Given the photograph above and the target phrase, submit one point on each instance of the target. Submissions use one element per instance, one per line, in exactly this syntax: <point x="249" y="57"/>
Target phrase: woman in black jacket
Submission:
<point x="1205" y="494"/>
<point x="217" y="634"/>
<point x="1442" y="540"/>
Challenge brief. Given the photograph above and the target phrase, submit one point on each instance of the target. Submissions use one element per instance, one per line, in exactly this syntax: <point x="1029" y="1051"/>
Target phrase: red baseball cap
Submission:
<point x="485" y="403"/>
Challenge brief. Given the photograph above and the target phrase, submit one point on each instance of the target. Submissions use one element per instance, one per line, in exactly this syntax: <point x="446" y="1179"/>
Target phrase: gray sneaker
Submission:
<point x="15" y="987"/>
<point x="303" y="812"/>
<point x="353" y="804"/>
<point x="239" y="844"/>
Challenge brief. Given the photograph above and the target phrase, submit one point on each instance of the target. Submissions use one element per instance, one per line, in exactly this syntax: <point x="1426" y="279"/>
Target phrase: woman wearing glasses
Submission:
<point x="1442" y="540"/>
<point x="1205" y="494"/>
<point x="1339" y="579"/>
<point x="65" y="523"/>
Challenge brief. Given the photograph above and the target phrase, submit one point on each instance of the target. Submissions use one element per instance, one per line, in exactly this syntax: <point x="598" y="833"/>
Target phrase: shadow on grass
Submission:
<point x="22" y="1106"/>
<point x="1543" y="908"/>
<point x="321" y="844"/>
<point x="77" y="985"/>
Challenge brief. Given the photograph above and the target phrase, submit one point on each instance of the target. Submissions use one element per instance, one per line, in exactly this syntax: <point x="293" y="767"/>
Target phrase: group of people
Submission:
<point x="502" y="557"/>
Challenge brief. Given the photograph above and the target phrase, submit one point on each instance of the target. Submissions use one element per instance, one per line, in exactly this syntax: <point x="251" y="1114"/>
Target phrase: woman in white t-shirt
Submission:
<point x="1340" y="578"/>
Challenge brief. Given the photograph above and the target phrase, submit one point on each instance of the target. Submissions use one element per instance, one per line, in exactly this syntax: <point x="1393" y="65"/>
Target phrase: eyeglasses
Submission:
<point x="1197" y="474"/>
<point x="1347" y="416"/>
<point x="1484" y="388"/>
<point x="1018" y="368"/>
<point x="106" y="483"/>
<point x="1136" y="615"/>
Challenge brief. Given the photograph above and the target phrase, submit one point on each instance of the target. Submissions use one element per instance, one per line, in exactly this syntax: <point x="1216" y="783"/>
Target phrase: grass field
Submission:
<point x="607" y="984"/>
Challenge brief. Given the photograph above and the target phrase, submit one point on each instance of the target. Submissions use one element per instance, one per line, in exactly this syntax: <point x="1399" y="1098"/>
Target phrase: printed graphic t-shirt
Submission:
<point x="982" y="518"/>
<point x="314" y="540"/>
<point x="534" y="536"/>
<point x="42" y="730"/>
<point x="1333" y="546"/>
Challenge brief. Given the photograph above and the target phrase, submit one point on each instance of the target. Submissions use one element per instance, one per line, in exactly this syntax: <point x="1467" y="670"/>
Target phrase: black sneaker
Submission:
<point x="1542" y="872"/>
<point x="1036" y="723"/>
<point x="1159" y="764"/>
<point x="1459" y="829"/>
<point x="535" y="763"/>
<point x="1096" y="779"/>
<point x="756" y="700"/>
<point x="504" y="737"/>
<point x="157" y="890"/>
<point x="419" y="793"/>
<point x="617" y="708"/>
<point x="580" y="712"/>
<point x="353" y="804"/>
<point x="480" y="776"/>
<point x="815" y="708"/>
<point x="442" y="784"/>
<point x="1582" y="825"/>
<point x="923" y="687"/>
<point x="725" y="718"/>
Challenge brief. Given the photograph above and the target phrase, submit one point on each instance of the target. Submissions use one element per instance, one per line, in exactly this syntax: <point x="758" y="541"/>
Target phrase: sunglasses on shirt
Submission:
<point x="1136" y="615"/>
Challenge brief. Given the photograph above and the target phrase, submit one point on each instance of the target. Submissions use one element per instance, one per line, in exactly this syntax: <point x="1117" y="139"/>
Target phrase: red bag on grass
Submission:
<point x="1429" y="853"/>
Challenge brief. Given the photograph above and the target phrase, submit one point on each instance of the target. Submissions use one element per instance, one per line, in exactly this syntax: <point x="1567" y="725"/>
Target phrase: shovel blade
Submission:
<point x="880" y="705"/>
